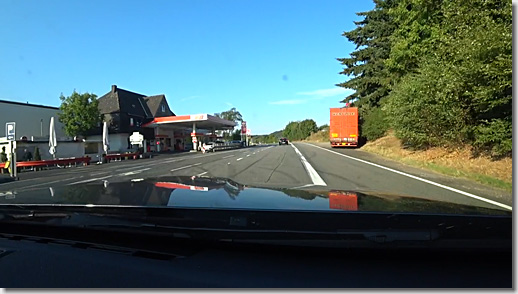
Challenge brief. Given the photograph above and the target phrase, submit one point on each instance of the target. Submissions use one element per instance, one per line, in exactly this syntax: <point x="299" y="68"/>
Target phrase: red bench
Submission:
<point x="109" y="157"/>
<point x="40" y="163"/>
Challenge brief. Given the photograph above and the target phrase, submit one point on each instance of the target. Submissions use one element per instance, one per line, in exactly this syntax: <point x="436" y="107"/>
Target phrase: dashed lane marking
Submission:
<point x="187" y="166"/>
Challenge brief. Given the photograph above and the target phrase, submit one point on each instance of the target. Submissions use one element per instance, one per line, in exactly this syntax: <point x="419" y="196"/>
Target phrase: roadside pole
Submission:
<point x="15" y="170"/>
<point x="10" y="133"/>
<point x="11" y="159"/>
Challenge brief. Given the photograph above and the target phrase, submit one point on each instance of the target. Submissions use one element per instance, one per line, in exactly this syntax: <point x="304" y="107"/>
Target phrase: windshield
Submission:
<point x="330" y="106"/>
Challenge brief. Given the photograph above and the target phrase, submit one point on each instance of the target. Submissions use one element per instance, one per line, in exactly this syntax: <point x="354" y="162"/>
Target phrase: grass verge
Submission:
<point x="456" y="163"/>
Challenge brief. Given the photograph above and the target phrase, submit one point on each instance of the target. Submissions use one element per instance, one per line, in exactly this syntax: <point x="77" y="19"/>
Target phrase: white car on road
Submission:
<point x="209" y="146"/>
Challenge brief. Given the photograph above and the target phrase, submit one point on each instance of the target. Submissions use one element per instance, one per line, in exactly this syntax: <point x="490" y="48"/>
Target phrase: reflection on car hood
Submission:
<point x="219" y="193"/>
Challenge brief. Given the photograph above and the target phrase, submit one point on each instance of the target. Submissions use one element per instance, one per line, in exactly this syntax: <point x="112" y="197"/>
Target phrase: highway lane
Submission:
<point x="301" y="166"/>
<point x="159" y="165"/>
<point x="349" y="169"/>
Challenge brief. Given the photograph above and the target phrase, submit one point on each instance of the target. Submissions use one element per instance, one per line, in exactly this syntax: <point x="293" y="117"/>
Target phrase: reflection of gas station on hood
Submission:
<point x="170" y="185"/>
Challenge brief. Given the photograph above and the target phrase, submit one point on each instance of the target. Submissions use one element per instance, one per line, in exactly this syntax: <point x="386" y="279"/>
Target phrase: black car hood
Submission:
<point x="219" y="193"/>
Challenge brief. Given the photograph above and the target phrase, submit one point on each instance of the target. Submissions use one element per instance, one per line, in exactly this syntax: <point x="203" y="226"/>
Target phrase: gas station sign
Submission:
<point x="243" y="127"/>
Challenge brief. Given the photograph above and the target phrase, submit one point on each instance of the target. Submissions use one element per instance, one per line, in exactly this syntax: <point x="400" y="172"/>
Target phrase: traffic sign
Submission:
<point x="243" y="127"/>
<point x="10" y="131"/>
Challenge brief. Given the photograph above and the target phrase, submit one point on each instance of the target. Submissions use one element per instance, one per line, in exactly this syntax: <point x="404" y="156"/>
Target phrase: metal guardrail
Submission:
<point x="228" y="146"/>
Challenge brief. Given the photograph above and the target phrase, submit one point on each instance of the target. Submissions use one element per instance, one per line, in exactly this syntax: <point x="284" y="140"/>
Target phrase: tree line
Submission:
<point x="293" y="131"/>
<point x="437" y="72"/>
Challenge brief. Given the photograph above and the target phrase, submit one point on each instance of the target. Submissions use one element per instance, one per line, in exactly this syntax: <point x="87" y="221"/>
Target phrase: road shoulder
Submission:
<point x="458" y="183"/>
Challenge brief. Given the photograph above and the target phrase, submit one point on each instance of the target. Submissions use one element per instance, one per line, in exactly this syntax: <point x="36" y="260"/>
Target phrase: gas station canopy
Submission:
<point x="202" y="121"/>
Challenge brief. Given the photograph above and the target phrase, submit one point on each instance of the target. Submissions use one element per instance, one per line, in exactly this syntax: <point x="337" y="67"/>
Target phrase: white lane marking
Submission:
<point x="239" y="158"/>
<point x="228" y="156"/>
<point x="135" y="172"/>
<point x="217" y="153"/>
<point x="187" y="166"/>
<point x="131" y="167"/>
<point x="228" y="163"/>
<point x="253" y="153"/>
<point x="420" y="179"/>
<point x="247" y="155"/>
<point x="172" y="160"/>
<point x="47" y="183"/>
<point x="199" y="175"/>
<point x="312" y="173"/>
<point x="100" y="173"/>
<point x="303" y="186"/>
<point x="89" y="180"/>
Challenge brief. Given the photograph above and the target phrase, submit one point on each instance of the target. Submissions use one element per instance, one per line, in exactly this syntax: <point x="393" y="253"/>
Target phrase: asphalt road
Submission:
<point x="299" y="166"/>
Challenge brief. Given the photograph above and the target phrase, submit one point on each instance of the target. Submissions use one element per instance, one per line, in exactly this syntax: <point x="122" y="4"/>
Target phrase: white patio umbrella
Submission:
<point x="106" y="142"/>
<point x="52" y="139"/>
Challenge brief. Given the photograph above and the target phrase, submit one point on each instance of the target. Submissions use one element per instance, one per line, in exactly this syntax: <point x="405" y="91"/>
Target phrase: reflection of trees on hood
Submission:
<point x="300" y="194"/>
<point x="414" y="204"/>
<point x="112" y="194"/>
<point x="82" y="194"/>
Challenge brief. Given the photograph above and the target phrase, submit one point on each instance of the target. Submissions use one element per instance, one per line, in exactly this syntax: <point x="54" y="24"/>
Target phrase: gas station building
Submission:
<point x="128" y="112"/>
<point x="199" y="128"/>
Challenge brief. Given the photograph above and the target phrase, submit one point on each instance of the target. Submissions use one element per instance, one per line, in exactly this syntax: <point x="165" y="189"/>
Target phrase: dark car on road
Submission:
<point x="283" y="141"/>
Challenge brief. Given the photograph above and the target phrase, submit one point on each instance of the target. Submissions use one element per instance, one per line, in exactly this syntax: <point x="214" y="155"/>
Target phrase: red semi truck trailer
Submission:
<point x="343" y="127"/>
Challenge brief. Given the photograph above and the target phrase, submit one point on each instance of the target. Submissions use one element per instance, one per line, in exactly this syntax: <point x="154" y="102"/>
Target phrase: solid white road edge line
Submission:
<point x="420" y="179"/>
<point x="312" y="173"/>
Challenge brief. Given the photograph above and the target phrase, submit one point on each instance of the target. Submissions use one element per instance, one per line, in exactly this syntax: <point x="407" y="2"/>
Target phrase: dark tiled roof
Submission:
<point x="126" y="102"/>
<point x="109" y="103"/>
<point x="132" y="103"/>
<point x="154" y="102"/>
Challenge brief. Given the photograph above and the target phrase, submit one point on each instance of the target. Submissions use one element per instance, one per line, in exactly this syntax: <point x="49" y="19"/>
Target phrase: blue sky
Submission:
<point x="275" y="61"/>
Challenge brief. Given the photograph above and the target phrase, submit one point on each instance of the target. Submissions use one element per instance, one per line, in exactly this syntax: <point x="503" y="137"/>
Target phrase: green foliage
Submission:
<point x="375" y="125"/>
<point x="447" y="72"/>
<point x="37" y="155"/>
<point x="231" y="115"/>
<point x="271" y="138"/>
<point x="495" y="137"/>
<point x="369" y="77"/>
<point x="79" y="113"/>
<point x="323" y="127"/>
<point x="236" y="135"/>
<point x="300" y="130"/>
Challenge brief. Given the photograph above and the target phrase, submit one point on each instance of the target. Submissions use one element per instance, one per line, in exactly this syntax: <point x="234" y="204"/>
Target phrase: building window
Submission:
<point x="131" y="121"/>
<point x="163" y="108"/>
